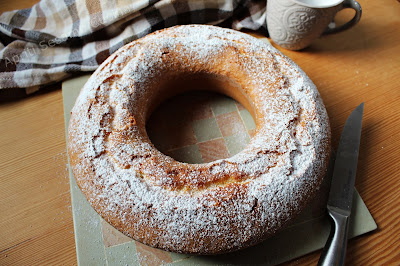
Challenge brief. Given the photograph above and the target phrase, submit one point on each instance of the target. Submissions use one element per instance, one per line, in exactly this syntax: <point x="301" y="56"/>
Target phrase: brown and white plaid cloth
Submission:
<point x="58" y="38"/>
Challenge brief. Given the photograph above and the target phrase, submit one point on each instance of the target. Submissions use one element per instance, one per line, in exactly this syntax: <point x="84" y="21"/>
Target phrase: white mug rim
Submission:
<point x="321" y="4"/>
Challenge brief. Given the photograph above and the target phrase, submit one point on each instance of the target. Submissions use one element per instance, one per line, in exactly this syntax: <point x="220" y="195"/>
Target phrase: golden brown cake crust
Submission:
<point x="208" y="208"/>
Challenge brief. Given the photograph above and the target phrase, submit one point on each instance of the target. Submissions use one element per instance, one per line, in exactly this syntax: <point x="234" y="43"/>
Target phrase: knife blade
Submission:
<point x="342" y="189"/>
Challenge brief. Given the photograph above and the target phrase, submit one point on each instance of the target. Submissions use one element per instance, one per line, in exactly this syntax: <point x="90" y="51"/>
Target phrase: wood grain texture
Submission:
<point x="361" y="64"/>
<point x="16" y="4"/>
<point x="35" y="202"/>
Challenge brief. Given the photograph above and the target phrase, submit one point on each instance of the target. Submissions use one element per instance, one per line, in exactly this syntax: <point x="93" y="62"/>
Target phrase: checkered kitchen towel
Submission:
<point x="58" y="38"/>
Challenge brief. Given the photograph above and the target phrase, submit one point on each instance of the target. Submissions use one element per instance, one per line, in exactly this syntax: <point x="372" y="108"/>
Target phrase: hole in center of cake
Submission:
<point x="200" y="127"/>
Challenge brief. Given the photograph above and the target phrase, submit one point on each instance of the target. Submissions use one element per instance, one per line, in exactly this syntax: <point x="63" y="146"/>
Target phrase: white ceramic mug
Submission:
<point x="295" y="24"/>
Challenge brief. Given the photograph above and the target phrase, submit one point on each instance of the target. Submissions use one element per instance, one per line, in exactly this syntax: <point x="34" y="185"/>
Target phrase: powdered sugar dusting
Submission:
<point x="207" y="208"/>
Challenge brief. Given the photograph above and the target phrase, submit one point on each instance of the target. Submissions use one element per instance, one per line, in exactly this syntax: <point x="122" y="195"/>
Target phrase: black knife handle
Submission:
<point x="334" y="252"/>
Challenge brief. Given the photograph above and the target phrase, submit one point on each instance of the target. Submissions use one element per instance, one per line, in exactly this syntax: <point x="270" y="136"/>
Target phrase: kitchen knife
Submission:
<point x="342" y="189"/>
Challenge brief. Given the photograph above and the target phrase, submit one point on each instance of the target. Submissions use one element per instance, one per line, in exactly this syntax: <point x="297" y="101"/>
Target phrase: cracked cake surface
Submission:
<point x="209" y="208"/>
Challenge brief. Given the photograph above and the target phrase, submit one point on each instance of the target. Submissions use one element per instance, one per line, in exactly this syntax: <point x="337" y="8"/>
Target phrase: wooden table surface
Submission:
<point x="359" y="65"/>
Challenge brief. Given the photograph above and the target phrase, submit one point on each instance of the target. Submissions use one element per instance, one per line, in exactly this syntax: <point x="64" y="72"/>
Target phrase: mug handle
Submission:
<point x="347" y="4"/>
